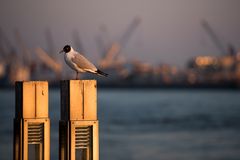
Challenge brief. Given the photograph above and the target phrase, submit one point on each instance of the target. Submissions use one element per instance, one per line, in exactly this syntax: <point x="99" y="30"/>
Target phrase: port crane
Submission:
<point x="216" y="40"/>
<point x="111" y="56"/>
<point x="49" y="59"/>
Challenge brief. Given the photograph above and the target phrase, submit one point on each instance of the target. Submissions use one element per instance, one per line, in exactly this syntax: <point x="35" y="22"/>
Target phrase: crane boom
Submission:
<point x="116" y="47"/>
<point x="215" y="39"/>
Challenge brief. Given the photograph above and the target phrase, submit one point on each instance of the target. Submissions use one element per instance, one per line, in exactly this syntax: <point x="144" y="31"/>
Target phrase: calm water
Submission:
<point x="150" y="124"/>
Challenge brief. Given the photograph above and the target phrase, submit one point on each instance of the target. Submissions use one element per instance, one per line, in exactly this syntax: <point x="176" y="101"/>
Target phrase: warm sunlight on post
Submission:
<point x="78" y="127"/>
<point x="31" y="123"/>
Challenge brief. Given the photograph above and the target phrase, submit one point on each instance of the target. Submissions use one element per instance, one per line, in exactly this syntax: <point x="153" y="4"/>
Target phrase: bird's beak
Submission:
<point x="61" y="51"/>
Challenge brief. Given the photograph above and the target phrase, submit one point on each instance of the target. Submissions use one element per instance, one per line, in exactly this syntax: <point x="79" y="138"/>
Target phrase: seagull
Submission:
<point x="79" y="63"/>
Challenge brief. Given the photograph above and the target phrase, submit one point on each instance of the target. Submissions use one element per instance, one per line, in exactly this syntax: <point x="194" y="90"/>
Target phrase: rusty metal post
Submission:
<point x="78" y="127"/>
<point x="31" y="122"/>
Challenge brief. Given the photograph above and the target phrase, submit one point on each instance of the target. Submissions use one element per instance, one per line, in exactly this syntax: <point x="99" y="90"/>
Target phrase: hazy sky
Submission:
<point x="170" y="30"/>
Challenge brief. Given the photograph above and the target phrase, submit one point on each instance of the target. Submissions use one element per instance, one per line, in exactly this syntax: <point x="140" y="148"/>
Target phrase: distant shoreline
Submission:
<point x="162" y="87"/>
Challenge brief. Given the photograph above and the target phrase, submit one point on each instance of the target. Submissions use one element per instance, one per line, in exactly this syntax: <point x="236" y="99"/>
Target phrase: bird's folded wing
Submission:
<point x="83" y="63"/>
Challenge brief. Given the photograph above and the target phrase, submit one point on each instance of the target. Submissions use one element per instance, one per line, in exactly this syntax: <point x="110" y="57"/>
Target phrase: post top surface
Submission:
<point x="32" y="82"/>
<point x="84" y="80"/>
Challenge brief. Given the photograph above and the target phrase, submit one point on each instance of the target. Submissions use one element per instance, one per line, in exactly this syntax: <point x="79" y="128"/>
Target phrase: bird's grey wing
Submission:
<point x="83" y="63"/>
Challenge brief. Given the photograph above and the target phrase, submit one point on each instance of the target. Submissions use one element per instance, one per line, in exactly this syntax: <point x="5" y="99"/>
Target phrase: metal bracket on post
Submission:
<point x="31" y="122"/>
<point x="78" y="127"/>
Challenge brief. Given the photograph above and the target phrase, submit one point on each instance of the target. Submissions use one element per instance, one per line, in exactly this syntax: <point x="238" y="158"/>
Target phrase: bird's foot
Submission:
<point x="77" y="76"/>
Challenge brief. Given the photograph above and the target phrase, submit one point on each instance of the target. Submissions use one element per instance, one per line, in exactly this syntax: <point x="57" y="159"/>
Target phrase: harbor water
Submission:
<point x="149" y="124"/>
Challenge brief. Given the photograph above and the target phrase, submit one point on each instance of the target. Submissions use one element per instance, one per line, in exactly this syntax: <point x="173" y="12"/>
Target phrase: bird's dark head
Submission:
<point x="66" y="49"/>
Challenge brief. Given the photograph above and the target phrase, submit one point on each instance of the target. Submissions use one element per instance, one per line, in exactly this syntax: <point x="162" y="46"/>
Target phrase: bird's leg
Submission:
<point x="76" y="75"/>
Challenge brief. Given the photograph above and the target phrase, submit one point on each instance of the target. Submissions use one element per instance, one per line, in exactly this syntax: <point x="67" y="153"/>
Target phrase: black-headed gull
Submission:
<point x="78" y="62"/>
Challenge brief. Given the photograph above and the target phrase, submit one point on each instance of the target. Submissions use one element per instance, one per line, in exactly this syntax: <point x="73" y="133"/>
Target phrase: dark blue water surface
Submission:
<point x="150" y="124"/>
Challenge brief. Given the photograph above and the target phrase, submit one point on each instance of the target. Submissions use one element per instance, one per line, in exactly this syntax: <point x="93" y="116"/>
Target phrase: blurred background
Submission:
<point x="174" y="69"/>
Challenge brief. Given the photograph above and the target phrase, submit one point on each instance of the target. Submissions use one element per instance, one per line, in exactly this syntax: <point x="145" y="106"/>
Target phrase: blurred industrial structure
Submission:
<point x="221" y="71"/>
<point x="19" y="62"/>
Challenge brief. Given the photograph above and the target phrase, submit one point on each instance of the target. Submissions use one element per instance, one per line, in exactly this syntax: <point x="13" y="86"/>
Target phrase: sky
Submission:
<point x="170" y="30"/>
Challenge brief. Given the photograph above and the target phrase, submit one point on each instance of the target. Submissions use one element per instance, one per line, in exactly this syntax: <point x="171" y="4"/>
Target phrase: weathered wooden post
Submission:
<point x="78" y="127"/>
<point x="31" y="123"/>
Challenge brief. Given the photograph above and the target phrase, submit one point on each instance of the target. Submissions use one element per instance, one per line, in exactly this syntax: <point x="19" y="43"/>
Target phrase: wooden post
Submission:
<point x="78" y="127"/>
<point x="31" y="123"/>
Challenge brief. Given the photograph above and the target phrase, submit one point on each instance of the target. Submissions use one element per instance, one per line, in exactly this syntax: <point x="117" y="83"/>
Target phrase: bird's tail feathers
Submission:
<point x="101" y="73"/>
